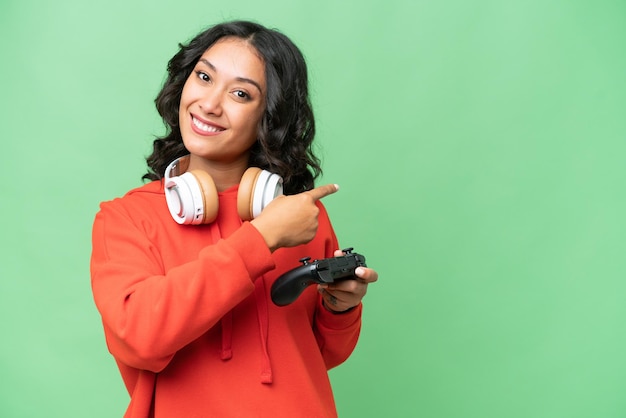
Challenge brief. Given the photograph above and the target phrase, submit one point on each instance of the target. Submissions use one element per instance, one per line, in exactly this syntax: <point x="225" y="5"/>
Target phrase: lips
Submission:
<point x="203" y="127"/>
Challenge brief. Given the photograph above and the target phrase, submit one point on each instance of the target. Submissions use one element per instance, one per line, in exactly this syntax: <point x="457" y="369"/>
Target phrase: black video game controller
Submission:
<point x="291" y="284"/>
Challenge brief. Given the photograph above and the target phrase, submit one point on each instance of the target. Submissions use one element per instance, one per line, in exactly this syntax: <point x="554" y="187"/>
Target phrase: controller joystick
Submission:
<point x="291" y="284"/>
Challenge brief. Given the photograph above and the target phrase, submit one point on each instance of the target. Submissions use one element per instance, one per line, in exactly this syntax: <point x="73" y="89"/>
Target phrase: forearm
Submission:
<point x="337" y="333"/>
<point x="149" y="314"/>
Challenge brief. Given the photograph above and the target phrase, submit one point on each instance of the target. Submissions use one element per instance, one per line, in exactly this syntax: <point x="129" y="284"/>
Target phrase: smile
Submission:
<point x="204" y="127"/>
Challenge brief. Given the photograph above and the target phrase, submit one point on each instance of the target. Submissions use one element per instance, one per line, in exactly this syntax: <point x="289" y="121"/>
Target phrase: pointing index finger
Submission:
<point x="323" y="191"/>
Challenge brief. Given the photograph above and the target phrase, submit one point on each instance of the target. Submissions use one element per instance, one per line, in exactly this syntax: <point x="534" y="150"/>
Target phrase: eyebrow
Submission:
<point x="241" y="79"/>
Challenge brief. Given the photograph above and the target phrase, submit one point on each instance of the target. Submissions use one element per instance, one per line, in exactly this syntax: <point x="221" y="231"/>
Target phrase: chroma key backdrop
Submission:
<point x="480" y="147"/>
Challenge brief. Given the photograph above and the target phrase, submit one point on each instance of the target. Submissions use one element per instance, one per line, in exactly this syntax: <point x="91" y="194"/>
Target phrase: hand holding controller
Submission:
<point x="291" y="284"/>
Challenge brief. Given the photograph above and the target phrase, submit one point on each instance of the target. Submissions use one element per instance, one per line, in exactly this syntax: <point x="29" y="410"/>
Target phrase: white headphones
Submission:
<point x="192" y="196"/>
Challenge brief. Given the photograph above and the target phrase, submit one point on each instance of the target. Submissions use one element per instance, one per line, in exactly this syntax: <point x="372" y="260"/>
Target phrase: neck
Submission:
<point x="225" y="175"/>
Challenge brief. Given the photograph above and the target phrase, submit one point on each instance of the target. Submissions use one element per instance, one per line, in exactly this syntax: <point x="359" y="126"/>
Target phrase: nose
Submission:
<point x="211" y="101"/>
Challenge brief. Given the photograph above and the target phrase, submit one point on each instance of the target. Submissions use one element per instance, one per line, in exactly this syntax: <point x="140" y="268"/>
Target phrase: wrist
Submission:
<point x="336" y="312"/>
<point x="270" y="241"/>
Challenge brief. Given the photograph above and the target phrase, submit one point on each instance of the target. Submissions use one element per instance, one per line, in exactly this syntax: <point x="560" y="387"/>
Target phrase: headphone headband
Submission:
<point x="177" y="167"/>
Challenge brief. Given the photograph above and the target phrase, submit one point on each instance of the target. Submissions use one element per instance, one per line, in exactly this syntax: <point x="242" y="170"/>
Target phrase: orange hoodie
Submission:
<point x="188" y="317"/>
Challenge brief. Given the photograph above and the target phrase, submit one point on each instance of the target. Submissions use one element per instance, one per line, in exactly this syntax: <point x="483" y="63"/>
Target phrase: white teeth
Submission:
<point x="204" y="127"/>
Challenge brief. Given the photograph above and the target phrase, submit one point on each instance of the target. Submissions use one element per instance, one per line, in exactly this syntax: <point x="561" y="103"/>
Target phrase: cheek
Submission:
<point x="184" y="97"/>
<point x="188" y="92"/>
<point x="257" y="118"/>
<point x="251" y="121"/>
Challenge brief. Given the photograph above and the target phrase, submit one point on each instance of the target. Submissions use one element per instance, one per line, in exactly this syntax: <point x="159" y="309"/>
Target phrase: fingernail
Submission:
<point x="336" y="186"/>
<point x="359" y="271"/>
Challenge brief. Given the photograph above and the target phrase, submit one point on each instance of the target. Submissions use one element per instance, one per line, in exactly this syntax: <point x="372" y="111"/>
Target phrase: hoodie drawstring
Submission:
<point x="226" y="353"/>
<point x="263" y="315"/>
<point x="260" y="296"/>
<point x="227" y="336"/>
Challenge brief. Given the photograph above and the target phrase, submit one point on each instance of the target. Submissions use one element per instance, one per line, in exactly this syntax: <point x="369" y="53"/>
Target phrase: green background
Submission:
<point x="480" y="148"/>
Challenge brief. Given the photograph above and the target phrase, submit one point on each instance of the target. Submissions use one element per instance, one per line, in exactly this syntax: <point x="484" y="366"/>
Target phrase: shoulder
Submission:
<point x="323" y="216"/>
<point x="148" y="193"/>
<point x="142" y="202"/>
<point x="140" y="214"/>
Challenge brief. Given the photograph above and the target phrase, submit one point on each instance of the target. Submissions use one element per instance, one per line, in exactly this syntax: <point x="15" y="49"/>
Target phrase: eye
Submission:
<point x="240" y="94"/>
<point x="203" y="76"/>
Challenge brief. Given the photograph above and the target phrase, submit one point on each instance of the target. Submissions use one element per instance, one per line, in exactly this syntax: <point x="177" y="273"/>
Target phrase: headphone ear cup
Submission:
<point x="183" y="198"/>
<point x="210" y="198"/>
<point x="256" y="190"/>
<point x="246" y="193"/>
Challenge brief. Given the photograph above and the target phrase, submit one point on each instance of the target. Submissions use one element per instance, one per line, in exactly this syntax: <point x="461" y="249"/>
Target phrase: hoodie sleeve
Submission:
<point x="336" y="334"/>
<point x="148" y="313"/>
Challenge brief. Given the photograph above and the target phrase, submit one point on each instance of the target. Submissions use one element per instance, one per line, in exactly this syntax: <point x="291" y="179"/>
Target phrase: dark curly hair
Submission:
<point x="287" y="128"/>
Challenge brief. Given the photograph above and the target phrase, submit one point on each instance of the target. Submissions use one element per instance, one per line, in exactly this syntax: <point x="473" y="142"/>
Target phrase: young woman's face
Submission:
<point x="223" y="101"/>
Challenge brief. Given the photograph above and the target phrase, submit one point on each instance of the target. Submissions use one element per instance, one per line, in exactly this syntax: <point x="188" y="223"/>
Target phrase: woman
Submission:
<point x="186" y="308"/>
